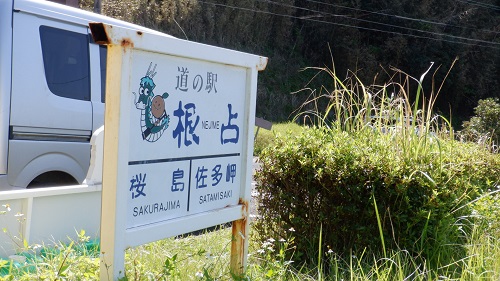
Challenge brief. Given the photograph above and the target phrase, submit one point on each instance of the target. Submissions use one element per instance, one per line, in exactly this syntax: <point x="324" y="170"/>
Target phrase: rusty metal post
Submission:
<point x="239" y="242"/>
<point x="239" y="247"/>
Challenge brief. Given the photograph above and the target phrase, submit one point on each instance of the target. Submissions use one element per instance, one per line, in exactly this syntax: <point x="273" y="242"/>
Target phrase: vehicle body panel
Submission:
<point x="43" y="127"/>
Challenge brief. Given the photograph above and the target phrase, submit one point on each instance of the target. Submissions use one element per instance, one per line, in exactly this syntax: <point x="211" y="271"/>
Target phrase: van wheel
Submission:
<point x="54" y="178"/>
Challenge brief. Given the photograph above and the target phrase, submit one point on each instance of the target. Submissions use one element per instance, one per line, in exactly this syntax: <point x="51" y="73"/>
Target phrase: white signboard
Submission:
<point x="187" y="127"/>
<point x="178" y="140"/>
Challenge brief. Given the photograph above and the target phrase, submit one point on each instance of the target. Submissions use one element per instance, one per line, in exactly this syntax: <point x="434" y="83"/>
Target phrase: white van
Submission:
<point x="51" y="92"/>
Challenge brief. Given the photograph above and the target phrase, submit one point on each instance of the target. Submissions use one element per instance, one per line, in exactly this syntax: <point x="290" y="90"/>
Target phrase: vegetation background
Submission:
<point x="364" y="37"/>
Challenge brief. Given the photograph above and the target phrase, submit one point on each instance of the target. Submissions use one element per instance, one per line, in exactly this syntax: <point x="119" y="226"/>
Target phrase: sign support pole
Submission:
<point x="239" y="247"/>
<point x="116" y="127"/>
<point x="241" y="228"/>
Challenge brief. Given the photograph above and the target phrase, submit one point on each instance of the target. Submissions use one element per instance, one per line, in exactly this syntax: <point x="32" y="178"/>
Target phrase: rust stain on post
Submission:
<point x="244" y="207"/>
<point x="239" y="243"/>
<point x="127" y="43"/>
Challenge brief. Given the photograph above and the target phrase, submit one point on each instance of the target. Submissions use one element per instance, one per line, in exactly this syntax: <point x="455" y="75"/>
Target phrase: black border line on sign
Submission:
<point x="165" y="160"/>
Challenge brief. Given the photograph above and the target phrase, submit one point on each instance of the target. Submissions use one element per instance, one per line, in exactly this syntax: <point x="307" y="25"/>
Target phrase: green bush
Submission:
<point x="484" y="127"/>
<point x="330" y="179"/>
<point x="486" y="213"/>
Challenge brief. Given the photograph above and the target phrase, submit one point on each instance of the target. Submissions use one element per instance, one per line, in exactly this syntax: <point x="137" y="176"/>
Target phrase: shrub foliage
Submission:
<point x="484" y="126"/>
<point x="373" y="172"/>
<point x="331" y="180"/>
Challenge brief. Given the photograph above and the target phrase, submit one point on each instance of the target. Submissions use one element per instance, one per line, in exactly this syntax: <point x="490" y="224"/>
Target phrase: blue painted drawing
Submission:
<point x="154" y="118"/>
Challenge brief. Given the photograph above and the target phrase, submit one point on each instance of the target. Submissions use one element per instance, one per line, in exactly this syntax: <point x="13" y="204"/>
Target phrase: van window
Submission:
<point x="66" y="62"/>
<point x="103" y="52"/>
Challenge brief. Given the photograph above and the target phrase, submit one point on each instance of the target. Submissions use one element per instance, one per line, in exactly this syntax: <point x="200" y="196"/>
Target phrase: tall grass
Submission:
<point x="391" y="109"/>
